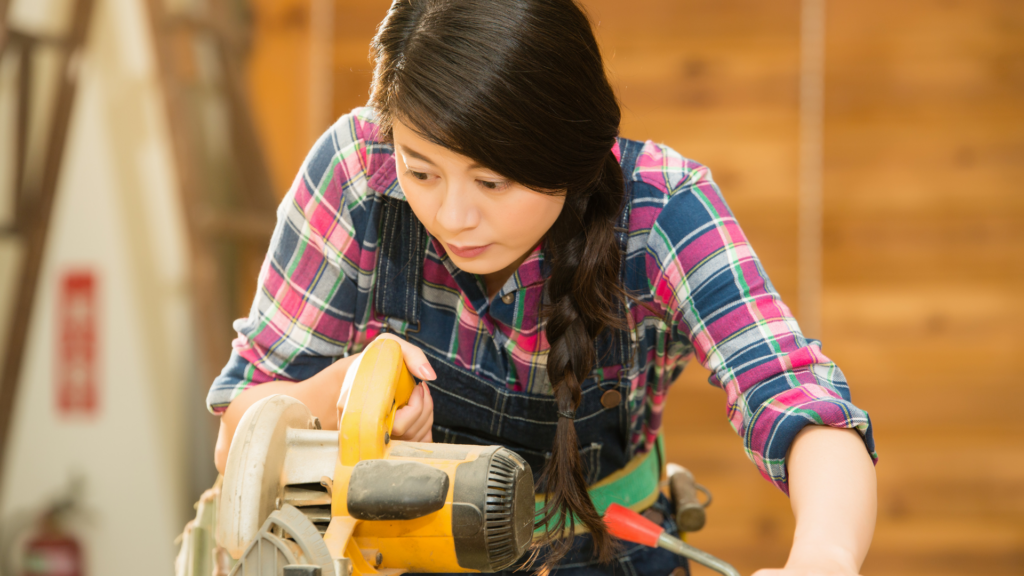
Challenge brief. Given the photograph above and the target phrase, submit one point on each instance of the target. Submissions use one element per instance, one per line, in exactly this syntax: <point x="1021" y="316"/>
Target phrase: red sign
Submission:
<point x="76" y="324"/>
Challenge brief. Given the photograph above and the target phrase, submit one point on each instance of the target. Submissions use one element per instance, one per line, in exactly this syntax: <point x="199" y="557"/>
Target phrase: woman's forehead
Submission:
<point x="409" y="142"/>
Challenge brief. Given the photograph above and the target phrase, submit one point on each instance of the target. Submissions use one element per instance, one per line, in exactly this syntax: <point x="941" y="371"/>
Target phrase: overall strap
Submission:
<point x="403" y="244"/>
<point x="620" y="349"/>
<point x="629" y="150"/>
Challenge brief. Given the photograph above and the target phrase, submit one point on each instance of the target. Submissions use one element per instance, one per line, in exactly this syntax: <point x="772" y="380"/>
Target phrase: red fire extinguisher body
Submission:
<point x="53" y="554"/>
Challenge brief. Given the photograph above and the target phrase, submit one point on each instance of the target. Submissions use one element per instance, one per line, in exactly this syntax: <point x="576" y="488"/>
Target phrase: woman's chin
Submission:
<point x="479" y="266"/>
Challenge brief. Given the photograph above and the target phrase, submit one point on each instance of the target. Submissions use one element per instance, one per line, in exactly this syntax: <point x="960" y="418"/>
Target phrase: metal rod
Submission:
<point x="24" y="113"/>
<point x="677" y="546"/>
<point x="4" y="30"/>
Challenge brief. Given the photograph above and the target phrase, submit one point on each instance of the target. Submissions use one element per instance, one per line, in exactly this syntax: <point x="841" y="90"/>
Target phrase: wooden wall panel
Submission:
<point x="279" y="74"/>
<point x="717" y="81"/>
<point x="924" y="254"/>
<point x="278" y="82"/>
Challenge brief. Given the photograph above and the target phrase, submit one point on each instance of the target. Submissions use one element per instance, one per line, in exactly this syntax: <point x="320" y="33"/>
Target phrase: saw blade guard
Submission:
<point x="277" y="449"/>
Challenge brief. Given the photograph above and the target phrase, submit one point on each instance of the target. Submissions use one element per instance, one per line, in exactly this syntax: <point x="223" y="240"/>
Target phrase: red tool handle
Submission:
<point x="627" y="525"/>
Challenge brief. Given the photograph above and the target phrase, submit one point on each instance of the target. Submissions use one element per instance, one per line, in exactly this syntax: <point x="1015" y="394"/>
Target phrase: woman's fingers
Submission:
<point x="406" y="416"/>
<point x="423" y="433"/>
<point x="428" y="408"/>
<point x="424" y="418"/>
<point x="427" y="435"/>
<point x="428" y="400"/>
<point x="416" y="432"/>
<point x="415" y="360"/>
<point x="422" y="430"/>
<point x="415" y="421"/>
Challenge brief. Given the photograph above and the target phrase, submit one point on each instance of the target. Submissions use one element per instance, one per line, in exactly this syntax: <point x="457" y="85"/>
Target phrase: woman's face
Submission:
<point x="487" y="224"/>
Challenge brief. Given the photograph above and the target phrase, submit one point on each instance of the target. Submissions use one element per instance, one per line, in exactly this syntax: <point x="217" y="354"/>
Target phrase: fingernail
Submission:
<point x="426" y="373"/>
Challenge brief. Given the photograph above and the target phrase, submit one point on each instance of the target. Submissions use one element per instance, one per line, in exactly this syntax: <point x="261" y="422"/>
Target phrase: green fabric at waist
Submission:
<point x="635" y="486"/>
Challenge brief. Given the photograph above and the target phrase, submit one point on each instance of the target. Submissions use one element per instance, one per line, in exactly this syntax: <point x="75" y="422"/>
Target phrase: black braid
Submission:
<point x="583" y="291"/>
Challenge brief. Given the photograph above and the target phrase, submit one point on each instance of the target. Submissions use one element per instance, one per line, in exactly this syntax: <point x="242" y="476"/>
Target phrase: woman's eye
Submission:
<point x="418" y="175"/>
<point x="491" y="185"/>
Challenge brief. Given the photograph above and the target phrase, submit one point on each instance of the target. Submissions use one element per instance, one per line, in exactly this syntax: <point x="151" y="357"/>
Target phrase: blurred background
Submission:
<point x="873" y="152"/>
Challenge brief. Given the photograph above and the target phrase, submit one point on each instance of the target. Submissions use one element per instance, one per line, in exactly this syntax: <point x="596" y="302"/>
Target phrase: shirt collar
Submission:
<point x="530" y="276"/>
<point x="533" y="271"/>
<point x="381" y="171"/>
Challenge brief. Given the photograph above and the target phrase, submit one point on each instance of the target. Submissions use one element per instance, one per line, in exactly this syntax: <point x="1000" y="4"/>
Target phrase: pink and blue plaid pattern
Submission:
<point x="703" y="293"/>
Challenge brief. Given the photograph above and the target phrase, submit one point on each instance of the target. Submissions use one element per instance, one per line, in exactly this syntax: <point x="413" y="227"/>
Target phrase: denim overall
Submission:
<point x="470" y="409"/>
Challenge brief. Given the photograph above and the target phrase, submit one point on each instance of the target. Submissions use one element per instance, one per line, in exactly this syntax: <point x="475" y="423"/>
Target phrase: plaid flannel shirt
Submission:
<point x="705" y="295"/>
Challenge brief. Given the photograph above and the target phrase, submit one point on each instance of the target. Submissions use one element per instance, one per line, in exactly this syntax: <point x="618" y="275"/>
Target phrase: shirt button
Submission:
<point x="508" y="298"/>
<point x="611" y="399"/>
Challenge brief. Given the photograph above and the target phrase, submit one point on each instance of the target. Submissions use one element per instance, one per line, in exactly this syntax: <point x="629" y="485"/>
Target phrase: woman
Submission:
<point x="549" y="279"/>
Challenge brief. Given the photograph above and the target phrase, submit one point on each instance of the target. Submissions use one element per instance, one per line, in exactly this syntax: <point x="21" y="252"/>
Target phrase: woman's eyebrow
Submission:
<point x="409" y="151"/>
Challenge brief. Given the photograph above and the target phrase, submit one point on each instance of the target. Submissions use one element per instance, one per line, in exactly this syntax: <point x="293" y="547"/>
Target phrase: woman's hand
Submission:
<point x="795" y="572"/>
<point x="819" y="570"/>
<point x="319" y="393"/>
<point x="817" y="563"/>
<point x="415" y="359"/>
<point x="414" y="422"/>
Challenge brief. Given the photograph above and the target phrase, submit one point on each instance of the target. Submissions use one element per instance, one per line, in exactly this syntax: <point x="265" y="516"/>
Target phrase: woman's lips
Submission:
<point x="467" y="251"/>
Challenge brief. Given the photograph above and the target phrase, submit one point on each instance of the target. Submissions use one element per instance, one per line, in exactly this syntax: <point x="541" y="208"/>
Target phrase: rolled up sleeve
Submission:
<point x="716" y="295"/>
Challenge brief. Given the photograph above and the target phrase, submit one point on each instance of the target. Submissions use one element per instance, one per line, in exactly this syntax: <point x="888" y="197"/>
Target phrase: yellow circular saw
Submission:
<point x="298" y="500"/>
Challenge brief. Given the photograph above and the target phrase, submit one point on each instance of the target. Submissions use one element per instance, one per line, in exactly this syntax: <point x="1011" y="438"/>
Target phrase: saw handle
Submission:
<point x="382" y="385"/>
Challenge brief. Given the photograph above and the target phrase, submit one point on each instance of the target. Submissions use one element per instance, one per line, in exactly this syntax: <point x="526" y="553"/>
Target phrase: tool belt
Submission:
<point x="635" y="486"/>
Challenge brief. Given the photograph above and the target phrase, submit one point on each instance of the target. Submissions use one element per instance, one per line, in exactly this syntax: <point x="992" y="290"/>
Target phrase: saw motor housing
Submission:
<point x="354" y="501"/>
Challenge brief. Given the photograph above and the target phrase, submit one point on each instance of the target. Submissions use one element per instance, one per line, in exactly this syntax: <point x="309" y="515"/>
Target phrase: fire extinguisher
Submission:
<point x="41" y="542"/>
<point x="52" y="551"/>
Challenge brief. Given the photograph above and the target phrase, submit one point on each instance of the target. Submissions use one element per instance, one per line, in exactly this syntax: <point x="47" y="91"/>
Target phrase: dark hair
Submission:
<point x="519" y="86"/>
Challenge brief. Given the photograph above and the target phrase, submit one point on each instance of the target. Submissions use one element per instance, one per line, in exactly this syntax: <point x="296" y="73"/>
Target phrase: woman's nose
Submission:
<point x="457" y="211"/>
